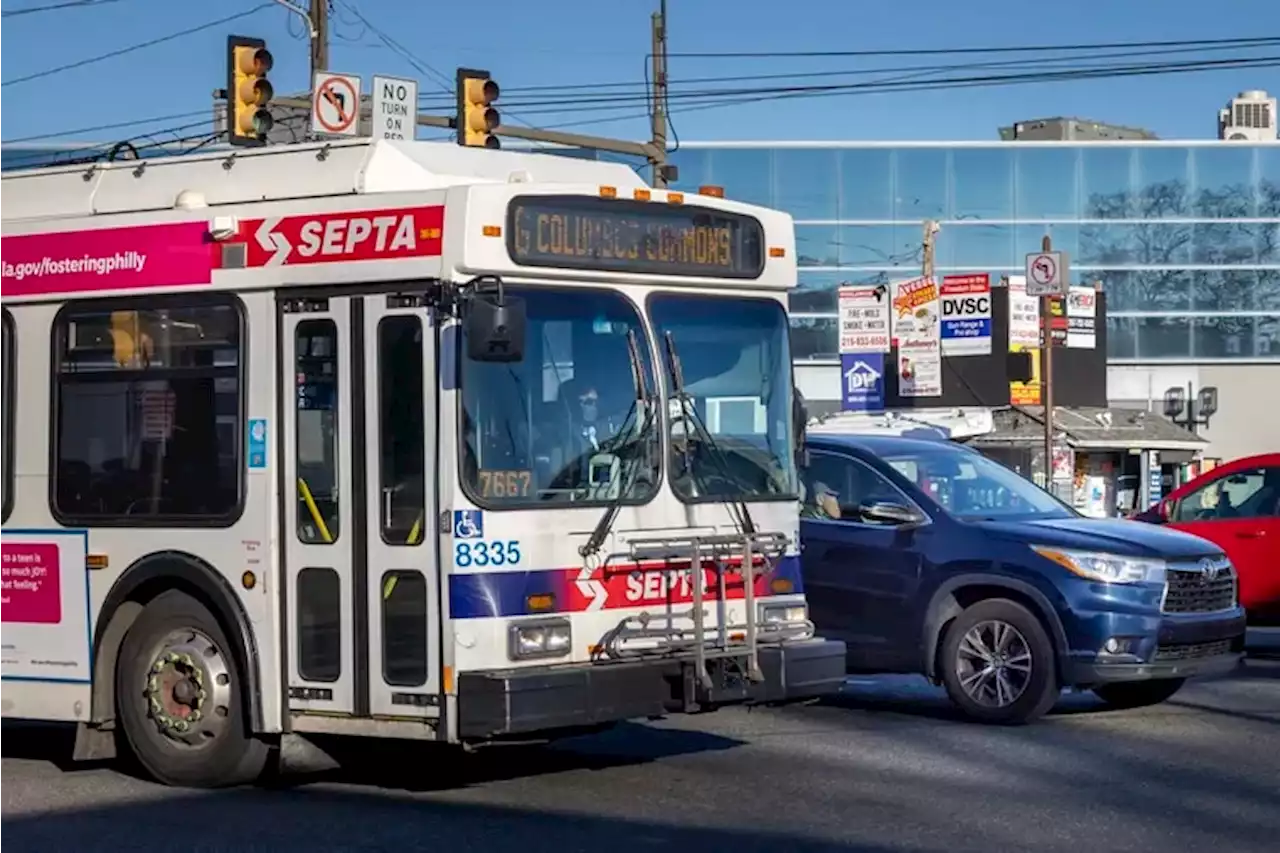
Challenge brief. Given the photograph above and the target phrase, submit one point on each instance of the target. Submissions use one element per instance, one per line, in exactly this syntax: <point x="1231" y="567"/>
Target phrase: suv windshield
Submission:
<point x="972" y="487"/>
<point x="736" y="364"/>
<point x="561" y="425"/>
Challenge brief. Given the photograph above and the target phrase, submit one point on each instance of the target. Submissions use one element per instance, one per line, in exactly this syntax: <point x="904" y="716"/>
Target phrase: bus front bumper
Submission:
<point x="495" y="704"/>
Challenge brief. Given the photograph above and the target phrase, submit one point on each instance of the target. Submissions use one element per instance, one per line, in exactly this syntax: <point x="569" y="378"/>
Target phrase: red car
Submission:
<point x="1237" y="507"/>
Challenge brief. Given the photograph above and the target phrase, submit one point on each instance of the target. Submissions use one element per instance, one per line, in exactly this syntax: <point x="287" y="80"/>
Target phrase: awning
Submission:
<point x="1092" y="428"/>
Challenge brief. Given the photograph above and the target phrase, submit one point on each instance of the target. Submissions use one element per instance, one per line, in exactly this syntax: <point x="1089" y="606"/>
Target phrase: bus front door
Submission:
<point x="358" y="384"/>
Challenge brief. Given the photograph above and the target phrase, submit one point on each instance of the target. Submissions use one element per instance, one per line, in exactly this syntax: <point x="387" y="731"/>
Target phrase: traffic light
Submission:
<point x="248" y="91"/>
<point x="476" y="120"/>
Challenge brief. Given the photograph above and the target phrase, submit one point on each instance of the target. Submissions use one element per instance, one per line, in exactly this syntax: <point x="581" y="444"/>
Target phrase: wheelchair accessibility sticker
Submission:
<point x="468" y="524"/>
<point x="472" y="550"/>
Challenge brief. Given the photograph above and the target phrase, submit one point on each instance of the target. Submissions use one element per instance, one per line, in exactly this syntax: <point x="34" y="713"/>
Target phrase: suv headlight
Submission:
<point x="784" y="614"/>
<point x="1105" y="568"/>
<point x="544" y="638"/>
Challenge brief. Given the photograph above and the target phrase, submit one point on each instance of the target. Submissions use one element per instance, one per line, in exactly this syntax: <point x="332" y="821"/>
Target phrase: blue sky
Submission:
<point x="567" y="42"/>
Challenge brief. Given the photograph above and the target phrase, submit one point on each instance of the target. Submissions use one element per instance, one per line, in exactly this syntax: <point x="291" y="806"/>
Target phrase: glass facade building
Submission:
<point x="1185" y="237"/>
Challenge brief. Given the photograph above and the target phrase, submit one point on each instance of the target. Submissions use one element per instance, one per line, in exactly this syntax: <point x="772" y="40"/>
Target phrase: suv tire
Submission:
<point x="998" y="665"/>
<point x="1138" y="694"/>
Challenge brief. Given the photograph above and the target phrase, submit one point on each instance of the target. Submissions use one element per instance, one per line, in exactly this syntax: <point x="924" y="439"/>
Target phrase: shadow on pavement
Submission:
<point x="413" y="765"/>
<point x="398" y="764"/>
<point x="320" y="821"/>
<point x="913" y="696"/>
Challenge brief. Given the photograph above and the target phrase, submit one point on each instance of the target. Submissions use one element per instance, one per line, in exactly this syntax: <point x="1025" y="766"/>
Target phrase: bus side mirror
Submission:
<point x="494" y="326"/>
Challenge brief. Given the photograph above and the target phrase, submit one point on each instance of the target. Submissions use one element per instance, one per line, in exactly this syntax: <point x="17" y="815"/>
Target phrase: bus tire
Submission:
<point x="179" y="700"/>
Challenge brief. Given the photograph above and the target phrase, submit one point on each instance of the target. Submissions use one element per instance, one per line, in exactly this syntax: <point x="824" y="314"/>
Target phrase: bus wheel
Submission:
<point x="180" y="701"/>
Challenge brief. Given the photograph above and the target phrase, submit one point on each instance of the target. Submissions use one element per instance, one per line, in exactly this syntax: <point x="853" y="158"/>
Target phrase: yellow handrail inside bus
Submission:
<point x="315" y="511"/>
<point x="415" y="531"/>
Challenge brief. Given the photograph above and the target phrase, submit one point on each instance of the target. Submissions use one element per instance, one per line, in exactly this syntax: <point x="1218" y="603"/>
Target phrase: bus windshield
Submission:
<point x="736" y="365"/>
<point x="562" y="425"/>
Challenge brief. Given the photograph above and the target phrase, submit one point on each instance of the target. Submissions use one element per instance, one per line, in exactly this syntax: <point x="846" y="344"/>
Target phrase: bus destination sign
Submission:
<point x="615" y="235"/>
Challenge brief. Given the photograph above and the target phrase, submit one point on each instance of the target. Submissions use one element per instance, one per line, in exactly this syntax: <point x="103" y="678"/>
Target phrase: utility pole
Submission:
<point x="1046" y="373"/>
<point x="928" y="244"/>
<point x="658" y="112"/>
<point x="319" y="17"/>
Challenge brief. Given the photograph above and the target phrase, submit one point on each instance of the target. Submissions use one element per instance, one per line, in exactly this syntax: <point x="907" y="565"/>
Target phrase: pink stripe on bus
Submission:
<point x="107" y="259"/>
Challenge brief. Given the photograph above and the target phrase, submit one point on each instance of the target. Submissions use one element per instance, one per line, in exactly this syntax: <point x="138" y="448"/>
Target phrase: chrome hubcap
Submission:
<point x="188" y="689"/>
<point x="994" y="664"/>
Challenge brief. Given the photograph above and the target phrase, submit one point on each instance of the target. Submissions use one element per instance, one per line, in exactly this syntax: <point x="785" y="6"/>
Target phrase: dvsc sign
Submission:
<point x="966" y="314"/>
<point x="967" y="306"/>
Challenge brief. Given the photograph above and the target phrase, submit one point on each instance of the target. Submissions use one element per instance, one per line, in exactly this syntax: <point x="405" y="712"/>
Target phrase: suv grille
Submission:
<point x="1190" y="590"/>
<point x="1192" y="651"/>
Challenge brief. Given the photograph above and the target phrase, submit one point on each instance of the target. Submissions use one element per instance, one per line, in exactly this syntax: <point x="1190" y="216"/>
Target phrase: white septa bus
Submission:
<point x="397" y="439"/>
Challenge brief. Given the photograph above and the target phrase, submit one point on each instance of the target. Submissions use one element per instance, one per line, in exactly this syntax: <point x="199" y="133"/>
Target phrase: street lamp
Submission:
<point x="1183" y="410"/>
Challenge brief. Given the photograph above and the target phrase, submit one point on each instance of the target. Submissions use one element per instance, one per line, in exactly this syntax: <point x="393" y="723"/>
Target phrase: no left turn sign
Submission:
<point x="1046" y="274"/>
<point x="335" y="104"/>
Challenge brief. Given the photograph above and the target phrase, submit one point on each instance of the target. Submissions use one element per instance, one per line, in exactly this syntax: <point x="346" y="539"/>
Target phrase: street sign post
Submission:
<point x="335" y="104"/>
<point x="1047" y="273"/>
<point x="395" y="108"/>
<point x="1047" y="278"/>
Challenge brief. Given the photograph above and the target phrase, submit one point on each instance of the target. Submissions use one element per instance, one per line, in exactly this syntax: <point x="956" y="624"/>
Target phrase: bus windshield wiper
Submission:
<point x="689" y="411"/>
<point x="646" y="404"/>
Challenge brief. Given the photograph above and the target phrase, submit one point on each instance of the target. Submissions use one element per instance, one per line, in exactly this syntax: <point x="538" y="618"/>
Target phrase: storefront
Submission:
<point x="1107" y="462"/>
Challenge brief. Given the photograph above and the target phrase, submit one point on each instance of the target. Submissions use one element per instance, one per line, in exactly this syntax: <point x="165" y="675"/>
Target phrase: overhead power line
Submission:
<point x="637" y="86"/>
<point x="442" y="82"/>
<point x="100" y="127"/>
<point x="579" y="104"/>
<point x="986" y="80"/>
<point x="49" y="72"/>
<point x="923" y="51"/>
<point x="53" y="7"/>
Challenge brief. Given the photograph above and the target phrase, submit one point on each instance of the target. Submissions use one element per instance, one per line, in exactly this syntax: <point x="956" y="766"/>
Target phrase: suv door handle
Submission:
<point x="1251" y="534"/>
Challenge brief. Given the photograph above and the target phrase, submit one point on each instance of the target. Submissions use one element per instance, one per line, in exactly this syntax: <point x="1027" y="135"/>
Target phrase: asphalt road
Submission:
<point x="884" y="768"/>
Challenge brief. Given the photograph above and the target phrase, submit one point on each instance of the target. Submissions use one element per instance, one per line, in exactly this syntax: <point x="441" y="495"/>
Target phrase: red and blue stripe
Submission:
<point x="482" y="595"/>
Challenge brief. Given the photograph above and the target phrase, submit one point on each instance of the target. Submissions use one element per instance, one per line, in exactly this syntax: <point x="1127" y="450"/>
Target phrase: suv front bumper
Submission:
<point x="1168" y="646"/>
<point x="493" y="704"/>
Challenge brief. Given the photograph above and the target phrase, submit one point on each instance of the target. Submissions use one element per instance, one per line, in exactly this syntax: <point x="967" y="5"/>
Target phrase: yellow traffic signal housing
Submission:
<point x="476" y="119"/>
<point x="249" y="92"/>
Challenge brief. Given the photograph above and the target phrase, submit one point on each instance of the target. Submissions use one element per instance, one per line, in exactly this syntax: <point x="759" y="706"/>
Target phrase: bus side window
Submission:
<point x="316" y="398"/>
<point x="148" y="411"/>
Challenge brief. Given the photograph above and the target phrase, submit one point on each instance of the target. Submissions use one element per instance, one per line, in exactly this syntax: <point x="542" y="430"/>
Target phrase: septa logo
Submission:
<point x="358" y="235"/>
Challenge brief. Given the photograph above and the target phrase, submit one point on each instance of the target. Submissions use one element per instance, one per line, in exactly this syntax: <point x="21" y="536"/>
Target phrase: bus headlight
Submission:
<point x="784" y="614"/>
<point x="544" y="638"/>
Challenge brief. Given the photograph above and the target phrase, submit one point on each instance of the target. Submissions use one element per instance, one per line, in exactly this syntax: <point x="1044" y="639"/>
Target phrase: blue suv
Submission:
<point x="925" y="556"/>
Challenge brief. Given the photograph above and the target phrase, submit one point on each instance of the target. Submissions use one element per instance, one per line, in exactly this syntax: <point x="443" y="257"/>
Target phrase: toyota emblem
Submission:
<point x="1208" y="570"/>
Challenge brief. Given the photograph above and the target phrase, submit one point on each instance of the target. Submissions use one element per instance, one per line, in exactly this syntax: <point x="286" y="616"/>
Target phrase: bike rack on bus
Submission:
<point x="721" y="553"/>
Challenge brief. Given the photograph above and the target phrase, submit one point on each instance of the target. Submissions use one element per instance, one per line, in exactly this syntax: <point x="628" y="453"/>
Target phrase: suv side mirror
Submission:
<point x="494" y="324"/>
<point x="1158" y="513"/>
<point x="886" y="512"/>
